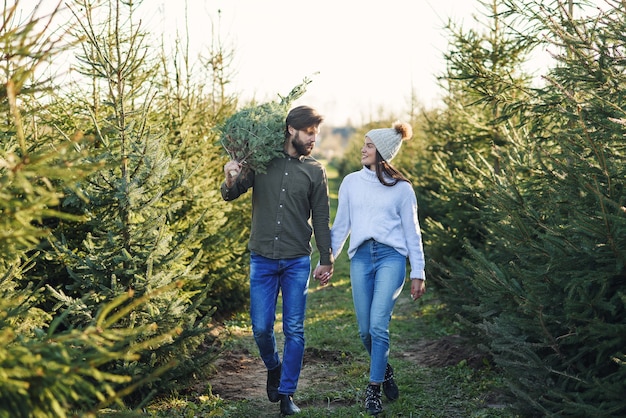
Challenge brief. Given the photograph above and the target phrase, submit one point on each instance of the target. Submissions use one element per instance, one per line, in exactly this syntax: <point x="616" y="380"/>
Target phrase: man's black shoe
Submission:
<point x="287" y="407"/>
<point x="273" y="382"/>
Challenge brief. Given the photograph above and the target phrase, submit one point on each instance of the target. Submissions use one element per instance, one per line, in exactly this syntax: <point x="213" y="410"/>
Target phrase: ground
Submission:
<point x="239" y="373"/>
<point x="242" y="374"/>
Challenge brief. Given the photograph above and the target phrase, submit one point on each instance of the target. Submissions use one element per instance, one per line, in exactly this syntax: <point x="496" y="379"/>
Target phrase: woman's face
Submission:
<point x="368" y="153"/>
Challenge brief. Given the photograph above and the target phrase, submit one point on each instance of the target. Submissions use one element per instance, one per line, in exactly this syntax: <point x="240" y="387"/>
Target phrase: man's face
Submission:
<point x="304" y="140"/>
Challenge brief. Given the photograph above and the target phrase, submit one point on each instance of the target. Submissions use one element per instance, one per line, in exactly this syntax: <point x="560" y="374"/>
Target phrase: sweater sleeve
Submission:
<point x="341" y="225"/>
<point x="413" y="235"/>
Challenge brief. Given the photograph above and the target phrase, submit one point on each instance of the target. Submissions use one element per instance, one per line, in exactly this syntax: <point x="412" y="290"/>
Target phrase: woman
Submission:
<point x="378" y="209"/>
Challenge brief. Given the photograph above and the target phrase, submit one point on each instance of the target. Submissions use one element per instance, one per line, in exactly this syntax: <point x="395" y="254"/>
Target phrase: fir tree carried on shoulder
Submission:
<point x="255" y="135"/>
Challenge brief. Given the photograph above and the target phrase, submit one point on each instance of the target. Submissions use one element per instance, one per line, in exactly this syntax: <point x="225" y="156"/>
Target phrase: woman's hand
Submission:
<point x="323" y="274"/>
<point x="418" y="288"/>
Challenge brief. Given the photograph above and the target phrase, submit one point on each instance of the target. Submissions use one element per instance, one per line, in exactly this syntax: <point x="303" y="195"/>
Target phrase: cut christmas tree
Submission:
<point x="256" y="134"/>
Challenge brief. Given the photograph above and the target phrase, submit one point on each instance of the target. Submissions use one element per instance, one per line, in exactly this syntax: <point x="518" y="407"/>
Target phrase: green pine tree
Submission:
<point x="193" y="108"/>
<point x="547" y="277"/>
<point x="46" y="371"/>
<point x="484" y="81"/>
<point x="135" y="238"/>
<point x="255" y="135"/>
<point x="560" y="264"/>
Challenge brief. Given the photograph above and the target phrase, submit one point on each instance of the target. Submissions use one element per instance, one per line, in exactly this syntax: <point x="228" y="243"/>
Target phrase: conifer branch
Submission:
<point x="255" y="135"/>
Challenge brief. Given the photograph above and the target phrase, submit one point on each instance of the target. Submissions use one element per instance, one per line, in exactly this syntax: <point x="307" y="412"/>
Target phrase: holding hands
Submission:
<point x="323" y="274"/>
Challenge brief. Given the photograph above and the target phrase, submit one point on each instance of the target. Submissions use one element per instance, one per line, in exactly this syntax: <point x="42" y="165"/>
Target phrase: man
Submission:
<point x="289" y="203"/>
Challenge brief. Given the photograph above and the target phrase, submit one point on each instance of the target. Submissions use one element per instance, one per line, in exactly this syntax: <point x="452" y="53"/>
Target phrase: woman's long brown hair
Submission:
<point x="383" y="167"/>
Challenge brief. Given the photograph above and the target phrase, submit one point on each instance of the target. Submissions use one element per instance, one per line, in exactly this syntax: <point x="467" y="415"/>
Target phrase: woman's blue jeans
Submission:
<point x="290" y="277"/>
<point x="377" y="274"/>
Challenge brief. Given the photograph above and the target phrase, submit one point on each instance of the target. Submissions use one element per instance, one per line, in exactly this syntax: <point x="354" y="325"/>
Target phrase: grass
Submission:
<point x="336" y="384"/>
<point x="336" y="381"/>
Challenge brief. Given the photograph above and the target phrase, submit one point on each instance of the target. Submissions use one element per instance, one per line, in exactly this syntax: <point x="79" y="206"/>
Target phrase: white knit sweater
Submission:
<point x="369" y="210"/>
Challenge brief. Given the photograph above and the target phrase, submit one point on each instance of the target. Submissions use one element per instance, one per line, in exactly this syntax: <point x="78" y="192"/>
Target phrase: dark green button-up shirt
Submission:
<point x="289" y="203"/>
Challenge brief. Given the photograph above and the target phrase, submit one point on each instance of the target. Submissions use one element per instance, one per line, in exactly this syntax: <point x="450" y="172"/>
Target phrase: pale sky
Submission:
<point x="364" y="56"/>
<point x="370" y="54"/>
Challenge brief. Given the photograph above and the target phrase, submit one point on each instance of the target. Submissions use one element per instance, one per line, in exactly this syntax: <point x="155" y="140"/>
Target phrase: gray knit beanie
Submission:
<point x="389" y="140"/>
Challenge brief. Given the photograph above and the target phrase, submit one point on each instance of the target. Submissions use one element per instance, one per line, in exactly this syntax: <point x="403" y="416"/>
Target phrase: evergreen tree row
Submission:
<point x="525" y="210"/>
<point x="115" y="250"/>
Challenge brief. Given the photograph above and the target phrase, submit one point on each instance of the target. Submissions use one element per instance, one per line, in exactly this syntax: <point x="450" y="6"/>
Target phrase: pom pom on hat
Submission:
<point x="389" y="140"/>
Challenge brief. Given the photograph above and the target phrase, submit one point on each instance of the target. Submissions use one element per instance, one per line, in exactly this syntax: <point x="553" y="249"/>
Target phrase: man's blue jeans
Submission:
<point x="268" y="277"/>
<point x="377" y="274"/>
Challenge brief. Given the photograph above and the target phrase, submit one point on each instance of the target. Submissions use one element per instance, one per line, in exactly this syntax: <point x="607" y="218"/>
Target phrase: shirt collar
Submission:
<point x="300" y="158"/>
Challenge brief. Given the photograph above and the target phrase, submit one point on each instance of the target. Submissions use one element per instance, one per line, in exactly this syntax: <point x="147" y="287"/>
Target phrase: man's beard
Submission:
<point x="300" y="148"/>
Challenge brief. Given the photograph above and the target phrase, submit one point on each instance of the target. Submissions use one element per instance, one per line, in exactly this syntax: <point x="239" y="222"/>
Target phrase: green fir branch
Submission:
<point x="255" y="135"/>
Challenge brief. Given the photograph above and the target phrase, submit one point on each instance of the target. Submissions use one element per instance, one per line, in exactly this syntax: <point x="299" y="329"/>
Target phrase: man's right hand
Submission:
<point x="231" y="171"/>
<point x="323" y="274"/>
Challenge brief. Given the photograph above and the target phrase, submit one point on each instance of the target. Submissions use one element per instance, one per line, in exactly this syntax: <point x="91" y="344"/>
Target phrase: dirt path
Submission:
<point x="241" y="375"/>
